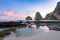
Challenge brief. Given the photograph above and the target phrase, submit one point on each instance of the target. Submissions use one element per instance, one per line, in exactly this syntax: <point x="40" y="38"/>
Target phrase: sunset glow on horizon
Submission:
<point x="11" y="10"/>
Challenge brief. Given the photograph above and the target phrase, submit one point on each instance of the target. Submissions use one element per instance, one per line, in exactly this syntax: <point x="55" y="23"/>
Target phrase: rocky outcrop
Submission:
<point x="28" y="18"/>
<point x="56" y="12"/>
<point x="50" y="16"/>
<point x="55" y="15"/>
<point x="38" y="17"/>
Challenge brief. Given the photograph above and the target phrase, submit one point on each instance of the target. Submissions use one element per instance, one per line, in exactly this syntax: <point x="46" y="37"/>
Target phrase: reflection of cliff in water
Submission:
<point x="28" y="32"/>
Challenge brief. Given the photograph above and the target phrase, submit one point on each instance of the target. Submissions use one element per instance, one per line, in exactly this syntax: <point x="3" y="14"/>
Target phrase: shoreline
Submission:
<point x="51" y="35"/>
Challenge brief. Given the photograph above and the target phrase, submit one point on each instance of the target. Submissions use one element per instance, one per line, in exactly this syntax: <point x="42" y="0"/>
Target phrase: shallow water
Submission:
<point x="27" y="32"/>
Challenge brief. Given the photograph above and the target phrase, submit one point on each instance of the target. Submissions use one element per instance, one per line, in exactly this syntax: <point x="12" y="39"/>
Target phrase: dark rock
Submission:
<point x="57" y="11"/>
<point x="50" y="16"/>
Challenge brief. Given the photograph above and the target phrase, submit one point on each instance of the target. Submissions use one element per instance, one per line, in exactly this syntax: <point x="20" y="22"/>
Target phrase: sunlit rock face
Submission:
<point x="57" y="11"/>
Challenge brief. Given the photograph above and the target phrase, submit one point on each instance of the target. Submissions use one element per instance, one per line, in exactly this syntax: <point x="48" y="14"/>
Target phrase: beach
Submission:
<point x="51" y="35"/>
<point x="34" y="34"/>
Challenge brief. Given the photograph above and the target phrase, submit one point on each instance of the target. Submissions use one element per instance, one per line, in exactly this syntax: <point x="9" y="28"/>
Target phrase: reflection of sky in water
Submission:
<point x="27" y="32"/>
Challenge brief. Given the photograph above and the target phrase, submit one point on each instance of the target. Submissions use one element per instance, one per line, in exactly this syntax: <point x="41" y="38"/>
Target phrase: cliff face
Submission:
<point x="56" y="12"/>
<point x="55" y="15"/>
<point x="50" y="16"/>
<point x="38" y="16"/>
<point x="57" y="9"/>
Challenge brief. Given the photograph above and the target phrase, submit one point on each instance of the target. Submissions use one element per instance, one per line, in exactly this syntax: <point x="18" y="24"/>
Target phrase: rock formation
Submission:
<point x="55" y="15"/>
<point x="57" y="11"/>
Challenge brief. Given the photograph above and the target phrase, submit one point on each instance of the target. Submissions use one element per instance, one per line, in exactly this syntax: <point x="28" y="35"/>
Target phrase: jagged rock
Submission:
<point x="55" y="15"/>
<point x="57" y="11"/>
<point x="38" y="17"/>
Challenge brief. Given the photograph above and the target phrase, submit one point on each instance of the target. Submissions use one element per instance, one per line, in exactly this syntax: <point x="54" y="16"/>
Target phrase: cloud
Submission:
<point x="10" y="15"/>
<point x="14" y="15"/>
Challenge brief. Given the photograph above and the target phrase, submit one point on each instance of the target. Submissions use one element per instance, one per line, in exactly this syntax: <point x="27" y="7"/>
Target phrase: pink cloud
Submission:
<point x="13" y="15"/>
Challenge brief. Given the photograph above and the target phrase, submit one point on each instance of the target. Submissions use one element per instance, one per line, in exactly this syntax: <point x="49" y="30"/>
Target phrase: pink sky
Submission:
<point x="13" y="15"/>
<point x="29" y="8"/>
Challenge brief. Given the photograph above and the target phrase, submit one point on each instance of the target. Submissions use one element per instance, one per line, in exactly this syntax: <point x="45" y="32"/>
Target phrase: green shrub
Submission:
<point x="5" y="32"/>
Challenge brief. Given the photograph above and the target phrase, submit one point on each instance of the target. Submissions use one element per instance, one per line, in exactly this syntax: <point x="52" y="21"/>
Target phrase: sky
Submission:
<point x="11" y="10"/>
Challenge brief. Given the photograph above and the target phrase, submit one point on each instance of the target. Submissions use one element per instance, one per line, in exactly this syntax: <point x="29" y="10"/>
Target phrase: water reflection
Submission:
<point x="25" y="32"/>
<point x="28" y="32"/>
